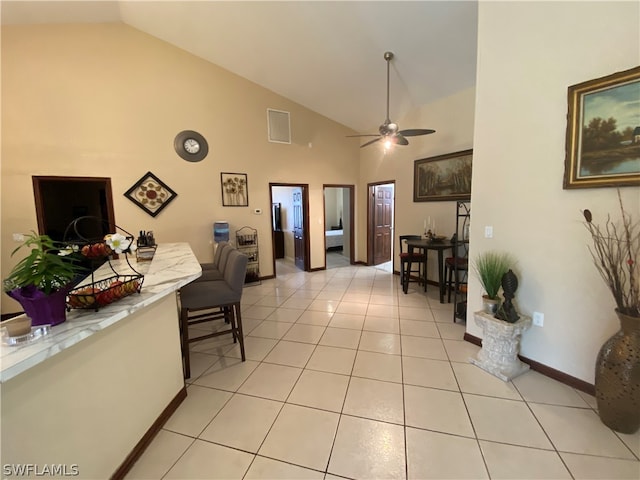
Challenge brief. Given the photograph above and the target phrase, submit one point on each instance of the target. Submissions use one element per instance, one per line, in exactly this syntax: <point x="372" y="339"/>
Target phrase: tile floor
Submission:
<point x="347" y="377"/>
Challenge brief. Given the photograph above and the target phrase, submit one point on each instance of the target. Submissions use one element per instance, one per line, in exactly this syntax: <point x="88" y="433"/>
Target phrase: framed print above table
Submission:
<point x="445" y="177"/>
<point x="603" y="132"/>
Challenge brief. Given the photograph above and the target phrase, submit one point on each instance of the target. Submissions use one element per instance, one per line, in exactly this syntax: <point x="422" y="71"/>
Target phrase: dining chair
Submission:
<point x="410" y="260"/>
<point x="209" y="301"/>
<point x="457" y="265"/>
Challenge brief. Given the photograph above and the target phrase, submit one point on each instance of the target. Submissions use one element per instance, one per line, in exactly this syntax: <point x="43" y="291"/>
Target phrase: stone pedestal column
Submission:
<point x="500" y="346"/>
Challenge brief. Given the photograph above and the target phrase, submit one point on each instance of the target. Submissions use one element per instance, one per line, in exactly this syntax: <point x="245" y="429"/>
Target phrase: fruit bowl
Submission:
<point x="103" y="292"/>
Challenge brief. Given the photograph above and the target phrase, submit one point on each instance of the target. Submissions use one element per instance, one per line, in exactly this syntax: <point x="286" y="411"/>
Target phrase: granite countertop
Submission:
<point x="173" y="266"/>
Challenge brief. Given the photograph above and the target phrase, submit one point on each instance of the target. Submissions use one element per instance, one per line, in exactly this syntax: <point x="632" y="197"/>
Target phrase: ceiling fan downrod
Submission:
<point x="389" y="131"/>
<point x="388" y="56"/>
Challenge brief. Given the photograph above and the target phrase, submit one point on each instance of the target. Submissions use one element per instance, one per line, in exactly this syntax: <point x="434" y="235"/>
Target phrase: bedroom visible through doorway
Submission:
<point x="338" y="223"/>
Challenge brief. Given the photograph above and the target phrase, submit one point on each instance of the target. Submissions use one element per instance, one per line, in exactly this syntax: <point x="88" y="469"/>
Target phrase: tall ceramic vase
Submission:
<point x="618" y="377"/>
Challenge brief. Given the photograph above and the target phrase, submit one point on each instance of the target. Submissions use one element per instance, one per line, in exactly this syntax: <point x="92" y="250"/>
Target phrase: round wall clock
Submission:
<point x="191" y="146"/>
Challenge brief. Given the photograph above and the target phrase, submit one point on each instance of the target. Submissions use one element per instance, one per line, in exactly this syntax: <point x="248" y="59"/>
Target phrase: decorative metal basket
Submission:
<point x="99" y="293"/>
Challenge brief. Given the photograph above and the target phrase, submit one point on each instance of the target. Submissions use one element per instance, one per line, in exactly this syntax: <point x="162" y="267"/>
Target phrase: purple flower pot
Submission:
<point x="42" y="309"/>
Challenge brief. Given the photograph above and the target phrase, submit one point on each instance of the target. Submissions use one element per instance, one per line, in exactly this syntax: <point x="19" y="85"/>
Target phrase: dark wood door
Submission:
<point x="298" y="228"/>
<point x="382" y="223"/>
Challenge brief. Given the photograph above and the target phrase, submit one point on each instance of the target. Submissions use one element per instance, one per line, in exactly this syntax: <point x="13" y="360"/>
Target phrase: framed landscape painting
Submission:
<point x="603" y="132"/>
<point x="445" y="177"/>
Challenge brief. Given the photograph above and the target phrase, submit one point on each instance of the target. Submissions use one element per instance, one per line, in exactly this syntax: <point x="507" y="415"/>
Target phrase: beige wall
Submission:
<point x="108" y="100"/>
<point x="333" y="205"/>
<point x="525" y="65"/>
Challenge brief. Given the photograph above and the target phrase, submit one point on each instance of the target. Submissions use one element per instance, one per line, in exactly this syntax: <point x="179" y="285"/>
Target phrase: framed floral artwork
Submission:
<point x="603" y="132"/>
<point x="151" y="194"/>
<point x="235" y="191"/>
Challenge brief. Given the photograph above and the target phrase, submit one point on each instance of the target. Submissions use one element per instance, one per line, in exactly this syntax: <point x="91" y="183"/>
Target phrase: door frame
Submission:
<point x="305" y="223"/>
<point x="37" y="194"/>
<point x="370" y="215"/>
<point x="352" y="196"/>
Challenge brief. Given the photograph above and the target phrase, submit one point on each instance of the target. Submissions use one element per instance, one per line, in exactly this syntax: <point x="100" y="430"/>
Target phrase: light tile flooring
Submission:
<point x="347" y="377"/>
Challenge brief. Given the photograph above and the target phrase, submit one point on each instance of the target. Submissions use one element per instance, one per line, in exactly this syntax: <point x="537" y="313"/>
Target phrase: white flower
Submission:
<point x="118" y="242"/>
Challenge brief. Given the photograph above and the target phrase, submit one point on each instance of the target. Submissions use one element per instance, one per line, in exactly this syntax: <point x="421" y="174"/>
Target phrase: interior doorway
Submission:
<point x="60" y="200"/>
<point x="290" y="227"/>
<point x="338" y="222"/>
<point x="380" y="223"/>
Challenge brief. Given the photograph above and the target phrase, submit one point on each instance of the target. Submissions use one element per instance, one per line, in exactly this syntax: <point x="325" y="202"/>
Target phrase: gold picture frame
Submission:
<point x="603" y="132"/>
<point x="443" y="178"/>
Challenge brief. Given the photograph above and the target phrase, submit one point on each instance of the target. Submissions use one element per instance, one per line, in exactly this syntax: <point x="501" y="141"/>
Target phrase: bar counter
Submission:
<point x="96" y="386"/>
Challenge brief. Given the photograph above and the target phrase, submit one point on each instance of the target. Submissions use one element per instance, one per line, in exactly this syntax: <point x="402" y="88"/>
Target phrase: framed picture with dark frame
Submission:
<point x="445" y="177"/>
<point x="151" y="194"/>
<point x="603" y="132"/>
<point x="235" y="192"/>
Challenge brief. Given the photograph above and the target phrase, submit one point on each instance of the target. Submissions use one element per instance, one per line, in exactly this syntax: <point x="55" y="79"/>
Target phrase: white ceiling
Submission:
<point x="325" y="55"/>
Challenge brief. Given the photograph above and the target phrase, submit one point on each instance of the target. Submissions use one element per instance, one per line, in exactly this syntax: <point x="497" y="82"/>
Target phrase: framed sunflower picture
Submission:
<point x="151" y="194"/>
<point x="235" y="191"/>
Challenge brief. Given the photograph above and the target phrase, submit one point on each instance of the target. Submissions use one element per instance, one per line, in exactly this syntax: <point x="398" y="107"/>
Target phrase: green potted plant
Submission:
<point x="490" y="267"/>
<point x="502" y="326"/>
<point x="41" y="280"/>
<point x="616" y="252"/>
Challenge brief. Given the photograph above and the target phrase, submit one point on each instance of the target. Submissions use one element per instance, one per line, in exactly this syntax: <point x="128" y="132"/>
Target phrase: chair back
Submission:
<point x="224" y="257"/>
<point x="460" y="249"/>
<point x="236" y="270"/>
<point x="216" y="256"/>
<point x="403" y="239"/>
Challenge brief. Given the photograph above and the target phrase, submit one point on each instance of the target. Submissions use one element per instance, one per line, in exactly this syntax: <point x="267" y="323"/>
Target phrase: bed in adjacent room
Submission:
<point x="333" y="239"/>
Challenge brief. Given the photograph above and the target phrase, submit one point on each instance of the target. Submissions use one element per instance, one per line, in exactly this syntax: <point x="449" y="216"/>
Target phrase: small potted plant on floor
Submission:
<point x="41" y="280"/>
<point x="490" y="267"/>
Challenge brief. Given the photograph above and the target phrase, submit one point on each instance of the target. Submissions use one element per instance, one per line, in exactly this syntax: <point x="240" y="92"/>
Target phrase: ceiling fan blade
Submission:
<point x="370" y="142"/>
<point x="364" y="135"/>
<point x="414" y="132"/>
<point x="400" y="140"/>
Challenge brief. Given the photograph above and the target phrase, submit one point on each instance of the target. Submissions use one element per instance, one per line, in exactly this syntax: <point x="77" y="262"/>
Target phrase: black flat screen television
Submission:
<point x="277" y="217"/>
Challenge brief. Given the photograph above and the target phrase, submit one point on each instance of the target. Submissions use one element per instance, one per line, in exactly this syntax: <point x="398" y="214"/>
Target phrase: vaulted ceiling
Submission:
<point x="325" y="55"/>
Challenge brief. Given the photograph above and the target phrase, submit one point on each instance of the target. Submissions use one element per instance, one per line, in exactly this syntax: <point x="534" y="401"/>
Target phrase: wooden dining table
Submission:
<point x="425" y="245"/>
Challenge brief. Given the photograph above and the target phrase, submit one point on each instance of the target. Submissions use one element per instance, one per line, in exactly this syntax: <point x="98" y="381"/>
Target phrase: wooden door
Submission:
<point x="298" y="228"/>
<point x="382" y="223"/>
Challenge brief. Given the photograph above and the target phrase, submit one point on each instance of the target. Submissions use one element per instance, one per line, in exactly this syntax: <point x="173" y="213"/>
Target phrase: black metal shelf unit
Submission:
<point x="461" y="269"/>
<point x="247" y="243"/>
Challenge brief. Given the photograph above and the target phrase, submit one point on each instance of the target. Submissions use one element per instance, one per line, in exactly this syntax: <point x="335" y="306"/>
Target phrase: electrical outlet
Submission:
<point x="538" y="319"/>
<point x="18" y="237"/>
<point x="488" y="231"/>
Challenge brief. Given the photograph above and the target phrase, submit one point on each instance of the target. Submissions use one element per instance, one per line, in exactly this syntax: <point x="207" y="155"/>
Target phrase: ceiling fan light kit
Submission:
<point x="390" y="130"/>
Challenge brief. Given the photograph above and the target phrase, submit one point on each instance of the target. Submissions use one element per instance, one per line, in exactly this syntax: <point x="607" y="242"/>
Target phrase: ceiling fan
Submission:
<point x="389" y="130"/>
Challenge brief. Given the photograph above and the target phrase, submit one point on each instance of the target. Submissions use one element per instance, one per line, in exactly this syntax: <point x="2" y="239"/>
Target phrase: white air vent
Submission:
<point x="279" y="126"/>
